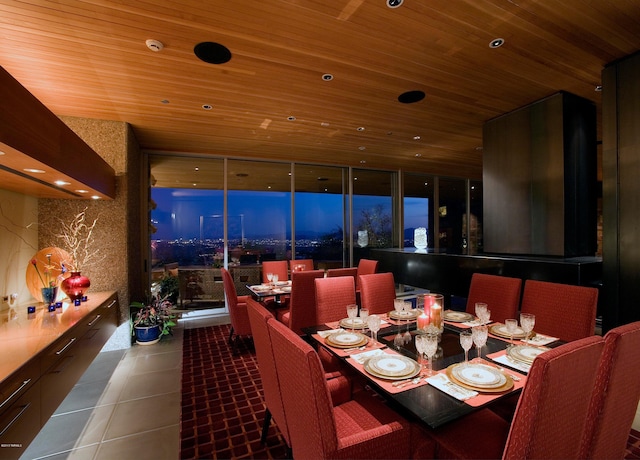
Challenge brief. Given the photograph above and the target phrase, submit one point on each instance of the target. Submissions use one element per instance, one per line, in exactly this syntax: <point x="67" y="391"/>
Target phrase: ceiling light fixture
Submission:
<point x="154" y="45"/>
<point x="82" y="191"/>
<point x="95" y="197"/>
<point x="212" y="53"/>
<point x="164" y="101"/>
<point x="416" y="138"/>
<point x="327" y="77"/>
<point x="411" y="96"/>
<point x="418" y="155"/>
<point x="362" y="147"/>
<point x="360" y="128"/>
<point x="291" y="118"/>
<point x="598" y="88"/>
<point x="394" y="3"/>
<point x="34" y="171"/>
<point x="61" y="183"/>
<point x="496" y="43"/>
<point x="207" y="106"/>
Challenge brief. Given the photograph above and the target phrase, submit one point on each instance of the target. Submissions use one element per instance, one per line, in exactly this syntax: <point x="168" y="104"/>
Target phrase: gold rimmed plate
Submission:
<point x="406" y="315"/>
<point x="500" y="330"/>
<point x="352" y="323"/>
<point x="525" y="353"/>
<point x="346" y="339"/>
<point x="392" y="367"/>
<point x="479" y="377"/>
<point x="458" y="316"/>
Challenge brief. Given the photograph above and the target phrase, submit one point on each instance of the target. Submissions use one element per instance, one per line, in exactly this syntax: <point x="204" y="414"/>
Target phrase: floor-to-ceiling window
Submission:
<point x="418" y="202"/>
<point x="451" y="211"/>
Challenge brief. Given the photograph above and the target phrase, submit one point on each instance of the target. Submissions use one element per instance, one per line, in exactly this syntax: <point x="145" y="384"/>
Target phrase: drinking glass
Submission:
<point x="486" y="316"/>
<point x="431" y="346"/>
<point x="481" y="309"/>
<point x="364" y="314"/>
<point x="479" y="335"/>
<point x="527" y="321"/>
<point x="373" y="321"/>
<point x="269" y="277"/>
<point x="511" y="325"/>
<point x="421" y="340"/>
<point x="275" y="278"/>
<point x="398" y="305"/>
<point x="466" y="342"/>
<point x="352" y="312"/>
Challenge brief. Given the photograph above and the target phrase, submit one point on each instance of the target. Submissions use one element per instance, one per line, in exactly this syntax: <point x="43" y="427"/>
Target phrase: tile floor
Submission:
<point x="126" y="399"/>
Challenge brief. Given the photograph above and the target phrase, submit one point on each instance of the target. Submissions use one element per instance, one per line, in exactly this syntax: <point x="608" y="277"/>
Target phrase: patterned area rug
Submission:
<point x="222" y="408"/>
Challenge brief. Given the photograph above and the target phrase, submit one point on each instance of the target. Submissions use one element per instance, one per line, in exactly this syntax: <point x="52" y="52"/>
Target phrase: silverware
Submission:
<point x="402" y="383"/>
<point x="514" y="377"/>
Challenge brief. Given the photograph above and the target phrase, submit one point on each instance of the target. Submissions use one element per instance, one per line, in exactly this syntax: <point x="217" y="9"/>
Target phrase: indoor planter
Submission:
<point x="151" y="320"/>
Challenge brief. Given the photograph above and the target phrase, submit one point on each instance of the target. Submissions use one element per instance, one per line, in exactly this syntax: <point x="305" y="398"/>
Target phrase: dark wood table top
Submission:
<point x="427" y="403"/>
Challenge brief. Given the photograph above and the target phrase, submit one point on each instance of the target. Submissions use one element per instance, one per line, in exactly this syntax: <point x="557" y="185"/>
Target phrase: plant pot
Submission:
<point x="75" y="286"/>
<point x="147" y="335"/>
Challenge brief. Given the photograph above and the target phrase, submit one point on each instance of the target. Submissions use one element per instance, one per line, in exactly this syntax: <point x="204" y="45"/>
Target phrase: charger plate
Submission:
<point x="525" y="353"/>
<point x="352" y="323"/>
<point x="458" y="316"/>
<point x="392" y="367"/>
<point x="346" y="339"/>
<point x="406" y="315"/>
<point x="500" y="330"/>
<point x="479" y="377"/>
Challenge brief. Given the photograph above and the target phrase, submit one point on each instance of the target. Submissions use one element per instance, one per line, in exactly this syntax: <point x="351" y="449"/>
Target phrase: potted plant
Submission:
<point x="169" y="288"/>
<point x="152" y="320"/>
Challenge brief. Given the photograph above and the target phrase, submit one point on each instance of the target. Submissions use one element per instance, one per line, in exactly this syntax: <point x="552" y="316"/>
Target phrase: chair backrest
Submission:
<point x="377" y="292"/>
<point x="500" y="293"/>
<point x="279" y="267"/>
<point x="258" y="317"/>
<point x="616" y="394"/>
<point x="306" y="398"/>
<point x="237" y="311"/>
<point x="300" y="265"/>
<point x="302" y="303"/>
<point x="562" y="310"/>
<point x="332" y="297"/>
<point x="365" y="267"/>
<point x="551" y="413"/>
<point x="347" y="271"/>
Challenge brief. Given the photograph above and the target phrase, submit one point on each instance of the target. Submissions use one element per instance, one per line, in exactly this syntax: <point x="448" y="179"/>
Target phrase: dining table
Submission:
<point x="440" y="398"/>
<point x="279" y="291"/>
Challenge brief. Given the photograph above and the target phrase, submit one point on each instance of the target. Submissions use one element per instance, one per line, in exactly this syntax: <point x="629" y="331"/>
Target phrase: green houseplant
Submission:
<point x="152" y="320"/>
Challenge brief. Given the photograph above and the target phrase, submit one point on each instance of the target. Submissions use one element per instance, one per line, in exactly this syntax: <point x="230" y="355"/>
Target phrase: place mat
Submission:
<point x="502" y="358"/>
<point x="387" y="385"/>
<point x="500" y="330"/>
<point x="453" y="316"/>
<point x="541" y="339"/>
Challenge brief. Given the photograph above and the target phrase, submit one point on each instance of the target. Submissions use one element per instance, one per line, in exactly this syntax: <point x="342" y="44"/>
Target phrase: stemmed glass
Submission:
<point x="270" y="277"/>
<point x="352" y="312"/>
<point x="421" y="341"/>
<point x="373" y="322"/>
<point x="511" y="325"/>
<point x="398" y="305"/>
<point x="431" y="346"/>
<point x="364" y="314"/>
<point x="527" y="321"/>
<point x="486" y="316"/>
<point x="466" y="342"/>
<point x="481" y="309"/>
<point x="479" y="335"/>
<point x="275" y="278"/>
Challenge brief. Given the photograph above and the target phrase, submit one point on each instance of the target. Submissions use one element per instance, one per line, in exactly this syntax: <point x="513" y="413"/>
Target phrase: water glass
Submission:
<point x="431" y="346"/>
<point x="527" y="321"/>
<point x="466" y="342"/>
<point x="398" y="305"/>
<point x="352" y="312"/>
<point x="511" y="325"/>
<point x="479" y="335"/>
<point x="364" y="315"/>
<point x="373" y="321"/>
<point x="481" y="309"/>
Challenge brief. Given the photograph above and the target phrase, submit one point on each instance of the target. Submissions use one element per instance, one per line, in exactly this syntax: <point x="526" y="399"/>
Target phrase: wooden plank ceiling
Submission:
<point x="88" y="58"/>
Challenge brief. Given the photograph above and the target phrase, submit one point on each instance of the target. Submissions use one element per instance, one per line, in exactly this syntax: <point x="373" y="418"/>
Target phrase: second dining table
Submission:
<point x="438" y="399"/>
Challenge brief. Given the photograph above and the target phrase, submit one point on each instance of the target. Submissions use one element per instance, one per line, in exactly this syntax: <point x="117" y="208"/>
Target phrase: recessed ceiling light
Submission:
<point x="362" y="147"/>
<point x="196" y="169"/>
<point x="82" y="191"/>
<point x="212" y="53"/>
<point x="598" y="88"/>
<point x="2" y="153"/>
<point x="394" y="3"/>
<point x="95" y="197"/>
<point x="411" y="96"/>
<point x="207" y="106"/>
<point x="61" y="183"/>
<point x="418" y="155"/>
<point x="416" y="138"/>
<point x="479" y="148"/>
<point x="291" y="118"/>
<point x="496" y="43"/>
<point x="324" y="124"/>
<point x="327" y="77"/>
<point x="164" y="101"/>
<point x="363" y="162"/>
<point x="360" y="128"/>
<point x="34" y="171"/>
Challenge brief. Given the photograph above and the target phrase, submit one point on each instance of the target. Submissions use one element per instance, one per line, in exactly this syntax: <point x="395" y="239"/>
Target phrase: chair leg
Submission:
<point x="265" y="425"/>
<point x="230" y="335"/>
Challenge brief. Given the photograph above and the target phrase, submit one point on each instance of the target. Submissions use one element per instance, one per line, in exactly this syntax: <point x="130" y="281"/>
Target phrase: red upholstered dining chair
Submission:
<point x="500" y="293"/>
<point x="562" y="310"/>
<point x="550" y="416"/>
<point x="300" y="265"/>
<point x="365" y="267"/>
<point x="362" y="427"/>
<point x="237" y="310"/>
<point x="377" y="292"/>
<point x="616" y="394"/>
<point x="332" y="297"/>
<point x="279" y="267"/>
<point x="347" y="271"/>
<point x="302" y="303"/>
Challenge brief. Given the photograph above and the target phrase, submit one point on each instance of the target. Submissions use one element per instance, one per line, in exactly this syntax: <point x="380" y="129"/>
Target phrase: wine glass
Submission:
<point x="421" y="340"/>
<point x="398" y="305"/>
<point x="275" y="278"/>
<point x="364" y="314"/>
<point x="527" y="321"/>
<point x="269" y="277"/>
<point x="373" y="321"/>
<point x="486" y="316"/>
<point x="511" y="325"/>
<point x="431" y="346"/>
<point x="481" y="309"/>
<point x="352" y="312"/>
<point x="479" y="335"/>
<point x="466" y="342"/>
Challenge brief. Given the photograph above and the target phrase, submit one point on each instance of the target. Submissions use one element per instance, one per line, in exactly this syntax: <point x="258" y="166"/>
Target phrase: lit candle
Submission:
<point x="423" y="321"/>
<point x="436" y="314"/>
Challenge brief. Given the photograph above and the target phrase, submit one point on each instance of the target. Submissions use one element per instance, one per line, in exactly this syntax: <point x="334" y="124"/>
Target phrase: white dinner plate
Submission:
<point x="392" y="366"/>
<point x="525" y="353"/>
<point x="479" y="375"/>
<point x="355" y="323"/>
<point x="458" y="316"/>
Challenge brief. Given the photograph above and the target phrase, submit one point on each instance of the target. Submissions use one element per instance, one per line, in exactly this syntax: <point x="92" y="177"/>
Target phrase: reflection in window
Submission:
<point x="451" y="210"/>
<point x="418" y="203"/>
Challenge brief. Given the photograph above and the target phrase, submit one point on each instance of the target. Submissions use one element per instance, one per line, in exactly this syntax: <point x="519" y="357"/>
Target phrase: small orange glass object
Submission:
<point x="423" y="321"/>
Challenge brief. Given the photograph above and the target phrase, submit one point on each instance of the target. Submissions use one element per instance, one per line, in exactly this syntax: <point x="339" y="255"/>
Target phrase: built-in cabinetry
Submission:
<point x="44" y="354"/>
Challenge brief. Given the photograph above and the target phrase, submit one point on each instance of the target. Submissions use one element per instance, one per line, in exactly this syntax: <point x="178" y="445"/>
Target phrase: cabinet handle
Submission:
<point x="59" y="352"/>
<point x="24" y="384"/>
<point x="15" y="419"/>
<point x="113" y="302"/>
<point x="95" y="320"/>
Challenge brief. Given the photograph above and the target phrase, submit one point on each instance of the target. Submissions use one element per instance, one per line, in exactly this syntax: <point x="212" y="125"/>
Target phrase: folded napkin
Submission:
<point x="541" y="339"/>
<point x="504" y="359"/>
<point x="325" y="334"/>
<point x="442" y="383"/>
<point x="360" y="358"/>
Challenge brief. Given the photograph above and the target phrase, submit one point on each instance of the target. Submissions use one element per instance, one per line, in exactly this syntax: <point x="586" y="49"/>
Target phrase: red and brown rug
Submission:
<point x="222" y="408"/>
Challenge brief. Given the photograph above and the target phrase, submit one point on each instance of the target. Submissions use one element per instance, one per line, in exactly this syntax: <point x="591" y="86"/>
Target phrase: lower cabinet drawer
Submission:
<point x="20" y="423"/>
